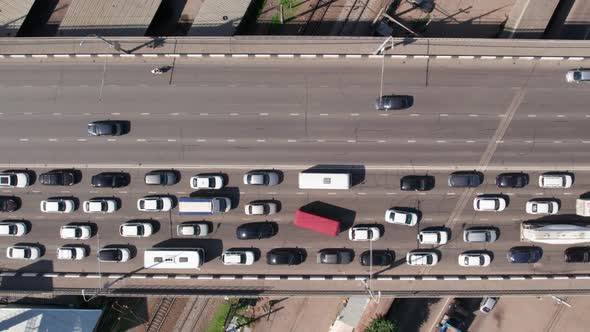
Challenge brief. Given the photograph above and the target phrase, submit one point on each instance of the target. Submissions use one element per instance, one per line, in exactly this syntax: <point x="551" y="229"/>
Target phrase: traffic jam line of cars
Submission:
<point x="260" y="230"/>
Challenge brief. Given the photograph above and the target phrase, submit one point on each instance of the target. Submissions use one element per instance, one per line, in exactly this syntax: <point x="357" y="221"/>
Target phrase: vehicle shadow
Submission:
<point x="344" y="216"/>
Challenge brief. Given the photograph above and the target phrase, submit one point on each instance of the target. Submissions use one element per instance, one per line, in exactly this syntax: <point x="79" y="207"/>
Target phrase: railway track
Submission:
<point x="161" y="314"/>
<point x="190" y="316"/>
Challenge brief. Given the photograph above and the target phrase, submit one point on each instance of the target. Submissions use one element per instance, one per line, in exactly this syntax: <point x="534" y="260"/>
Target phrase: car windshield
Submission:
<point x="5" y="179"/>
<point x="222" y="205"/>
<point x="577" y="75"/>
<point x="408" y="219"/>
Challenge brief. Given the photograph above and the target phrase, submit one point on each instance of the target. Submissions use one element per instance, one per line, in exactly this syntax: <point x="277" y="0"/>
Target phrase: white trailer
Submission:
<point x="583" y="207"/>
<point x="554" y="233"/>
<point x="338" y="181"/>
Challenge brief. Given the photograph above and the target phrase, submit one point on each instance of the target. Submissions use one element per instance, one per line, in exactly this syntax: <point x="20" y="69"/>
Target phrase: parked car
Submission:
<point x="57" y="205"/>
<point x="335" y="256"/>
<point x="393" y="102"/>
<point x="433" y="237"/>
<point x="100" y="205"/>
<point x="261" y="208"/>
<point x="579" y="75"/>
<point x="14" y="179"/>
<point x="106" y="128"/>
<point x="489" y="203"/>
<point x="542" y="206"/>
<point x="238" y="257"/>
<point x="401" y="217"/>
<point x="161" y="177"/>
<point x="110" y="180"/>
<point x="364" y="233"/>
<point x="560" y="180"/>
<point x="465" y="179"/>
<point x="75" y="232"/>
<point x="512" y="180"/>
<point x="207" y="181"/>
<point x="262" y="178"/>
<point x="487" y="304"/>
<point x="256" y="230"/>
<point x="13" y="228"/>
<point x="577" y="255"/>
<point x="419" y="257"/>
<point x="71" y="253"/>
<point x="9" y="204"/>
<point x="417" y="182"/>
<point x="480" y="235"/>
<point x="474" y="259"/>
<point x="193" y="229"/>
<point x="58" y="177"/>
<point x="524" y="254"/>
<point x="23" y="252"/>
<point x="376" y="258"/>
<point x="136" y="229"/>
<point x="285" y="256"/>
<point x="113" y="255"/>
<point x="154" y="204"/>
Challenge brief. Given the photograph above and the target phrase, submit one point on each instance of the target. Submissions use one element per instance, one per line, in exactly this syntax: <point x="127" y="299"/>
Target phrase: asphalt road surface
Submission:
<point x="231" y="116"/>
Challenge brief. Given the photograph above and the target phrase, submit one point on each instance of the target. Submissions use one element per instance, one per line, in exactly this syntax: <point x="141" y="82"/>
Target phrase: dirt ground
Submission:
<point x="299" y="315"/>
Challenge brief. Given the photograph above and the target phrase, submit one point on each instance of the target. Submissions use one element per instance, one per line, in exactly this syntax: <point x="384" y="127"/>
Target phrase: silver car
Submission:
<point x="261" y="178"/>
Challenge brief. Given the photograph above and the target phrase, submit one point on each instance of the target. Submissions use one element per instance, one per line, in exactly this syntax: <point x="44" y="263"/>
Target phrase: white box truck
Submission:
<point x="583" y="207"/>
<point x="199" y="206"/>
<point x="338" y="181"/>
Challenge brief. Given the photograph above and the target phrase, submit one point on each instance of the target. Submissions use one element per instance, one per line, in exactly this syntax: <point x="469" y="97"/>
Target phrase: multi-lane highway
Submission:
<point x="230" y="116"/>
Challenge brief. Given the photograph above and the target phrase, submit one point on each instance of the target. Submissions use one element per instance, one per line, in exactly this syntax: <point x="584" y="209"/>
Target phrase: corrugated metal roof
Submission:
<point x="218" y="17"/>
<point x="12" y="15"/>
<point x="34" y="319"/>
<point x="108" y="17"/>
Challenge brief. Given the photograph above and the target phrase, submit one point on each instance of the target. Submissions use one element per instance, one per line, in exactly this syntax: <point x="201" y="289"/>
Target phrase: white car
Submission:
<point x="203" y="181"/>
<point x="489" y="203"/>
<point x="474" y="259"/>
<point x="261" y="178"/>
<point x="23" y="252"/>
<point x="555" y="180"/>
<point x="13" y="228"/>
<point x="75" y="232"/>
<point x="238" y="257"/>
<point x="136" y="229"/>
<point x="487" y="304"/>
<point x="424" y="258"/>
<point x="539" y="206"/>
<point x="433" y="237"/>
<point x="400" y="217"/>
<point x="192" y="229"/>
<point x="57" y="205"/>
<point x="154" y="204"/>
<point x="100" y="205"/>
<point x="362" y="233"/>
<point x="71" y="253"/>
<point x="577" y="75"/>
<point x="260" y="208"/>
<point x="14" y="179"/>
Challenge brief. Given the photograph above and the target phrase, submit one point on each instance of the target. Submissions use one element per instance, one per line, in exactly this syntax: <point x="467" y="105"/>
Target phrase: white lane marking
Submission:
<point x="231" y="140"/>
<point x="234" y="114"/>
<point x="23" y="139"/>
<point x="291" y="140"/>
<point x="217" y="55"/>
<point x="56" y="113"/>
<point x="262" y="55"/>
<point x="144" y="113"/>
<point x="111" y="139"/>
<point x="381" y="141"/>
<point x="561" y="116"/>
<point x="443" y="114"/>
<point x="299" y="193"/>
<point x="263" y="114"/>
<point x="383" y="114"/>
<point x="293" y="114"/>
<point x="285" y="55"/>
<point x="443" y="56"/>
<point x="141" y="139"/>
<point x="321" y="140"/>
<point x="390" y="193"/>
<point x="53" y="139"/>
<point x="260" y="140"/>
<point x="81" y="139"/>
<point x="411" y="141"/>
<point x="469" y="141"/>
<point x="203" y="113"/>
<point x="354" y="114"/>
<point x="239" y="55"/>
<point x="414" y="114"/>
<point x="194" y="55"/>
<point x="557" y="142"/>
<point x="441" y="141"/>
<point x="473" y="115"/>
<point x="324" y="114"/>
<point x="171" y="140"/>
<point x="174" y="114"/>
<point x="115" y="113"/>
<point x="532" y="115"/>
<point x="201" y="140"/>
<point x="351" y="141"/>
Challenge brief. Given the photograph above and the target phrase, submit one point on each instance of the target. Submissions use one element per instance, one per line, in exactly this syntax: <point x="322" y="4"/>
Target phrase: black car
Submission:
<point x="285" y="256"/>
<point x="417" y="182"/>
<point x="524" y="254"/>
<point x="378" y="258"/>
<point x="512" y="180"/>
<point x="577" y="255"/>
<point x="8" y="204"/>
<point x="162" y="177"/>
<point x="110" y="180"/>
<point x="61" y="177"/>
<point x="393" y="102"/>
<point x="256" y="230"/>
<point x="106" y="128"/>
<point x="465" y="179"/>
<point x="335" y="256"/>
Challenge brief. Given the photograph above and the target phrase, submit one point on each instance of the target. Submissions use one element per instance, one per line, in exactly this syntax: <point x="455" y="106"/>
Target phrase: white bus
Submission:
<point x="554" y="233"/>
<point x="173" y="258"/>
<point x="341" y="181"/>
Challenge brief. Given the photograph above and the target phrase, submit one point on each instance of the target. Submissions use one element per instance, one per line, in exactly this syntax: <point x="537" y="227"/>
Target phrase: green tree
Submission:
<point x="382" y="324"/>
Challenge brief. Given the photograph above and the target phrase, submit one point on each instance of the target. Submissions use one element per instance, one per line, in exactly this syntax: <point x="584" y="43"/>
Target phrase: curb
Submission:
<point x="279" y="277"/>
<point x="294" y="55"/>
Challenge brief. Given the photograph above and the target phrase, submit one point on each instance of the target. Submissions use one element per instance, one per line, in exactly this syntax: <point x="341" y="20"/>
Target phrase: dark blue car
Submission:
<point x="524" y="255"/>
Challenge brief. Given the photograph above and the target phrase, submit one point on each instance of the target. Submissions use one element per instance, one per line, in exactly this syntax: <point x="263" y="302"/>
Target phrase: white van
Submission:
<point x="338" y="181"/>
<point x="173" y="258"/>
<point x="555" y="180"/>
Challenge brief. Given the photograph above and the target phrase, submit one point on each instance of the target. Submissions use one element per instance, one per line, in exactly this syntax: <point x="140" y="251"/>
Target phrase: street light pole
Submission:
<point x="104" y="66"/>
<point x="382" y="49"/>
